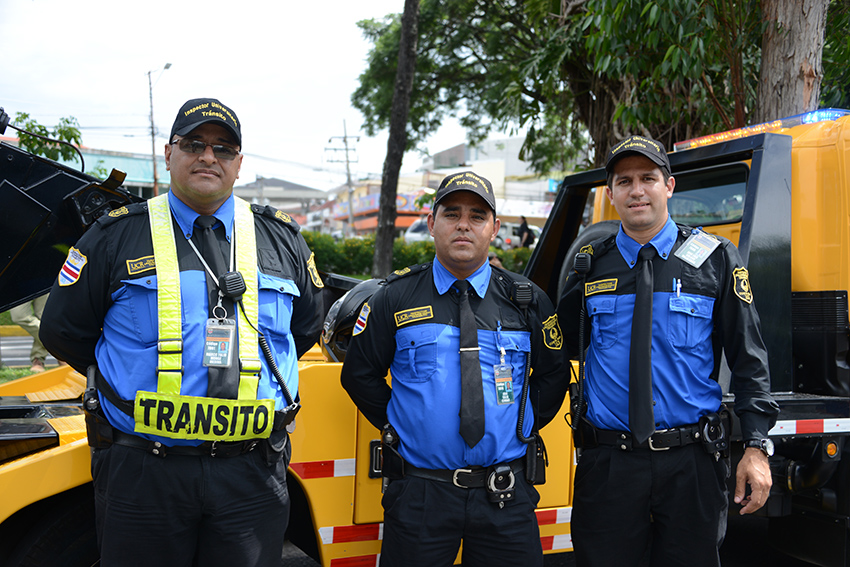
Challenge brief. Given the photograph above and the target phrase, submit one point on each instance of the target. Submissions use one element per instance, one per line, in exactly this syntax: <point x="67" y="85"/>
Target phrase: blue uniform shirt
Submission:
<point x="682" y="356"/>
<point x="126" y="351"/>
<point x="426" y="386"/>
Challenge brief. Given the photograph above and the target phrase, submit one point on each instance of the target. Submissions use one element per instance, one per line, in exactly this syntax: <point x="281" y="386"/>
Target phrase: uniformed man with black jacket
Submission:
<point x="165" y="304"/>
<point x="662" y="300"/>
<point x="459" y="337"/>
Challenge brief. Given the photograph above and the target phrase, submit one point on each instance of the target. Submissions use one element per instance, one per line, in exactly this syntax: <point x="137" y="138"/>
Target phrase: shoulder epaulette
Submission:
<point x="684" y="229"/>
<point x="410" y="270"/>
<point x="126" y="211"/>
<point x="279" y="216"/>
<point x="599" y="247"/>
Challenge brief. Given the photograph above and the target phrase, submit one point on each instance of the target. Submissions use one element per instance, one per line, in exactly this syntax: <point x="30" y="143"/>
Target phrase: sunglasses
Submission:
<point x="198" y="147"/>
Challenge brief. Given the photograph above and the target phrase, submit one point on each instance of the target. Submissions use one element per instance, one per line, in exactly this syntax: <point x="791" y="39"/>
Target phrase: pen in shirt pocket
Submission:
<point x="677" y="286"/>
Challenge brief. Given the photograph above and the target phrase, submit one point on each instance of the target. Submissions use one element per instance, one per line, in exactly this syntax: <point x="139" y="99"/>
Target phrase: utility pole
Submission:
<point x="344" y="138"/>
<point x="153" y="131"/>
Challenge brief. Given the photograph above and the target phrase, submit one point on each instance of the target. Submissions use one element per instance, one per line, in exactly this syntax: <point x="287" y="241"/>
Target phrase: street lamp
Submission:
<point x="153" y="130"/>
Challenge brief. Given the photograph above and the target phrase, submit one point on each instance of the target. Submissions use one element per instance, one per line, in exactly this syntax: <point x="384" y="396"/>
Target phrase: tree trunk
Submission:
<point x="791" y="70"/>
<point x="383" y="259"/>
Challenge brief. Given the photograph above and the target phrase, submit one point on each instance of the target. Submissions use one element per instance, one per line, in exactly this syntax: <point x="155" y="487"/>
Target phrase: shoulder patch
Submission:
<point x="742" y="285"/>
<point x="587" y="249"/>
<point x="279" y="216"/>
<point x="415" y="314"/>
<point x="314" y="273"/>
<point x="362" y="320"/>
<point x="552" y="337"/>
<point x="72" y="268"/>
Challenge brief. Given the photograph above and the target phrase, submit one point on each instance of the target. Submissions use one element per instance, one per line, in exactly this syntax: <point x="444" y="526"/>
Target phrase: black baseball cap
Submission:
<point x="199" y="111"/>
<point x="467" y="181"/>
<point x="652" y="149"/>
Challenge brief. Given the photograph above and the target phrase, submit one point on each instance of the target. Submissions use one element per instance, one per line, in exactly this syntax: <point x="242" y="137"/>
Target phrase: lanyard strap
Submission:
<point x="170" y="340"/>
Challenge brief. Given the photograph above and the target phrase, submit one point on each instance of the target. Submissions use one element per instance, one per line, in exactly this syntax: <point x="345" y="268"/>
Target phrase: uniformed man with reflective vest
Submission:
<point x="188" y="313"/>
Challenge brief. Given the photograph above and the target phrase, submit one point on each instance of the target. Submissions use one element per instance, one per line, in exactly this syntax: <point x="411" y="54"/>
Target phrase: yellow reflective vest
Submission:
<point x="168" y="413"/>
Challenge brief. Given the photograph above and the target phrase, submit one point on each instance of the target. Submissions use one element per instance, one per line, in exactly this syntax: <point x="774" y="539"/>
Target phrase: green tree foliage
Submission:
<point x="580" y="74"/>
<point x="352" y="256"/>
<point x="68" y="130"/>
<point x="835" y="88"/>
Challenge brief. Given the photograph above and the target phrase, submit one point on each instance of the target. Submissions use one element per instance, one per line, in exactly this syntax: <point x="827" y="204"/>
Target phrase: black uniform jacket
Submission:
<point x="372" y="352"/>
<point x="736" y="328"/>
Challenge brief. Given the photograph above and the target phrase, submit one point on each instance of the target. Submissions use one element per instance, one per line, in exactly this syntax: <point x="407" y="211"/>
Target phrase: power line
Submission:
<point x="348" y="162"/>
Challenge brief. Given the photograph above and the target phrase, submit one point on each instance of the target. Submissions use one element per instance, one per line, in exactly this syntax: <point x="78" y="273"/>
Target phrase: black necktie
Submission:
<point x="641" y="418"/>
<point x="211" y="248"/>
<point x="471" y="387"/>
<point x="223" y="382"/>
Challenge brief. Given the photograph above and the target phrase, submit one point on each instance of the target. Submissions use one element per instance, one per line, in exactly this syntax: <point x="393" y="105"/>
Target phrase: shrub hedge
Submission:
<point x="353" y="256"/>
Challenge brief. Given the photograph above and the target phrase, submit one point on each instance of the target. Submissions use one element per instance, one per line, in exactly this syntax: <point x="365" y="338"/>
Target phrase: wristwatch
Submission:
<point x="765" y="444"/>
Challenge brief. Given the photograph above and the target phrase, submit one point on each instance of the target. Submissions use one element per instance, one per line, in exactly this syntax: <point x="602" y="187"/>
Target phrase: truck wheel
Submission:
<point x="590" y="234"/>
<point x="65" y="535"/>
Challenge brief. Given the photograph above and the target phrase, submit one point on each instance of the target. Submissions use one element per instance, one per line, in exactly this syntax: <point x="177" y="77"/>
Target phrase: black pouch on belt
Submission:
<point x="536" y="461"/>
<point x="392" y="463"/>
<point x="277" y="447"/>
<point x="584" y="436"/>
<point x="98" y="429"/>
<point x="714" y="429"/>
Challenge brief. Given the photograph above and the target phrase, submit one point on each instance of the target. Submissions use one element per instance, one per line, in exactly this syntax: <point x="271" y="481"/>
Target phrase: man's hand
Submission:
<point x="755" y="471"/>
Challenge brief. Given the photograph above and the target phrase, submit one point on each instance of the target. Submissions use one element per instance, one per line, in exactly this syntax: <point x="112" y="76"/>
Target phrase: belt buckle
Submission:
<point x="653" y="447"/>
<point x="457" y="472"/>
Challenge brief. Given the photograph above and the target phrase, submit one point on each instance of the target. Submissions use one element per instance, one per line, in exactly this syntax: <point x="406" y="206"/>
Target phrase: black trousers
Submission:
<point x="189" y="510"/>
<point x="670" y="504"/>
<point x="425" y="521"/>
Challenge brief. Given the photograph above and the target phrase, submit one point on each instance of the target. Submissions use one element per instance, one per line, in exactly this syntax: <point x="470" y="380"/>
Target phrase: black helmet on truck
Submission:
<point x="341" y="317"/>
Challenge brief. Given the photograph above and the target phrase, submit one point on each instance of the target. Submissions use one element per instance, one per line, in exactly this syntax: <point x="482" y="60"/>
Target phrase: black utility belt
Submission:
<point x="218" y="449"/>
<point x="661" y="440"/>
<point x="712" y="431"/>
<point x="469" y="477"/>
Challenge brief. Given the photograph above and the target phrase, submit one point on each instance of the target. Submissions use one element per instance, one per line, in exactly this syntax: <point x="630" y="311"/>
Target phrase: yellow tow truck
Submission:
<point x="781" y="191"/>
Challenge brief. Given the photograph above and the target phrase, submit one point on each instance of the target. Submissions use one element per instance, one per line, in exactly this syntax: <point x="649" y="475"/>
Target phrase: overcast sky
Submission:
<point x="286" y="68"/>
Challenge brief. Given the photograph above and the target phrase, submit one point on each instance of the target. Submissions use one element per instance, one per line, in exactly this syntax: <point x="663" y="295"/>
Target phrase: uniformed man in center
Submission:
<point x="459" y="337"/>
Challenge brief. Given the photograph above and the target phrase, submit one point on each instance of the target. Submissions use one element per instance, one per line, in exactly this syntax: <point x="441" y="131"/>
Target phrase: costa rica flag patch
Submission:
<point x="72" y="268"/>
<point x="362" y="319"/>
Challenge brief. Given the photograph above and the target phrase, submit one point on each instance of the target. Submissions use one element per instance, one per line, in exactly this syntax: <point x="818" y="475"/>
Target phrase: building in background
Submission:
<point x="297" y="200"/>
<point x="519" y="190"/>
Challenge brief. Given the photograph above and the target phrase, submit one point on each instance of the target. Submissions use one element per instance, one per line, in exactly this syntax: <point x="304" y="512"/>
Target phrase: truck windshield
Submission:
<point x="709" y="196"/>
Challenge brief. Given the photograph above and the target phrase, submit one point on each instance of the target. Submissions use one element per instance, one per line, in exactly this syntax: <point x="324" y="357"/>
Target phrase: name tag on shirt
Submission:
<point x="218" y="342"/>
<point x="504" y="384"/>
<point x="697" y="248"/>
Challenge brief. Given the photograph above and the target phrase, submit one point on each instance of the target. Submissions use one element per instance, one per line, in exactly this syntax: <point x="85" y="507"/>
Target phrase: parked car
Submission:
<point x="417" y="232"/>
<point x="508" y="236"/>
